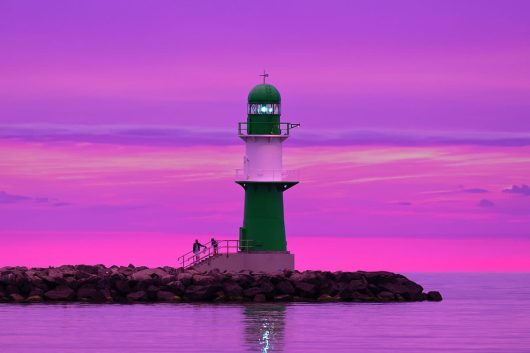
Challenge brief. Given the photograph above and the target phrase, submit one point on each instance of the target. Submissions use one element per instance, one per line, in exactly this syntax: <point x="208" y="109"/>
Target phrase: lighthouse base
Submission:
<point x="267" y="262"/>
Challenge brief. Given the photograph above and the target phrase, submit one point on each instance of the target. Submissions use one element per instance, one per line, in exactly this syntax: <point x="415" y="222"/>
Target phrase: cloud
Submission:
<point x="11" y="198"/>
<point x="413" y="138"/>
<point x="177" y="136"/>
<point x="61" y="204"/>
<point x="516" y="189"/>
<point x="6" y="198"/>
<point x="403" y="203"/>
<point x="485" y="203"/>
<point x="475" y="190"/>
<point x="119" y="134"/>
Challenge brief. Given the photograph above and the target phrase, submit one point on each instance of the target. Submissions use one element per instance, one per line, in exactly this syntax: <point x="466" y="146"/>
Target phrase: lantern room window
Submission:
<point x="264" y="109"/>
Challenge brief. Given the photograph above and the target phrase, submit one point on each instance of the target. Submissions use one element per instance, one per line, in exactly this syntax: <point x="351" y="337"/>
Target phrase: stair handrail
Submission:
<point x="225" y="246"/>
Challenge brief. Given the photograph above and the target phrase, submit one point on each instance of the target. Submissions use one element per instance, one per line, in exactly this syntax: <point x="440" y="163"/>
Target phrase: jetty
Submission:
<point x="130" y="284"/>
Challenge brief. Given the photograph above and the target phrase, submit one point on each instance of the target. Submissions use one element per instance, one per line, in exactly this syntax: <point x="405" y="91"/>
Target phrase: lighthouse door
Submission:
<point x="246" y="167"/>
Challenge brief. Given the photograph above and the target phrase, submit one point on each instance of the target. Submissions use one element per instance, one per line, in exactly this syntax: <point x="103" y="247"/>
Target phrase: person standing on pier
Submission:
<point x="215" y="245"/>
<point x="197" y="249"/>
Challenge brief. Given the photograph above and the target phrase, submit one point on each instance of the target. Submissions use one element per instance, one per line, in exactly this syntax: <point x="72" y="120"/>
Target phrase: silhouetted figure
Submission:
<point x="215" y="245"/>
<point x="197" y="249"/>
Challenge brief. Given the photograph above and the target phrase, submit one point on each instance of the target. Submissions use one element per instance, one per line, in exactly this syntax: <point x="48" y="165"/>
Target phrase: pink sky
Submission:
<point x="437" y="208"/>
<point x="118" y="129"/>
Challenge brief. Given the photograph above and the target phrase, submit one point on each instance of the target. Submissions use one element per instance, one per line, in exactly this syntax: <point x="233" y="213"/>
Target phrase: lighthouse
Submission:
<point x="263" y="177"/>
<point x="262" y="245"/>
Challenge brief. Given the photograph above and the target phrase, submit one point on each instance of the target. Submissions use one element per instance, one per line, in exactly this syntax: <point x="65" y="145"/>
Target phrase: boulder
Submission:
<point x="296" y="277"/>
<point x="203" y="280"/>
<point x="201" y="293"/>
<point x="176" y="287"/>
<point x="285" y="287"/>
<point x="379" y="276"/>
<point x="71" y="282"/>
<point x="244" y="280"/>
<point x="17" y="298"/>
<point x="165" y="296"/>
<point x="232" y="289"/>
<point x="149" y="273"/>
<point x="185" y="278"/>
<point x="60" y="293"/>
<point x="348" y="276"/>
<point x="287" y="273"/>
<point x="137" y="296"/>
<point x="361" y="297"/>
<point x="68" y="270"/>
<point x="54" y="274"/>
<point x="93" y="270"/>
<point x="11" y="288"/>
<point x="266" y="287"/>
<point x="82" y="274"/>
<point x="313" y="277"/>
<point x="358" y="284"/>
<point x="23" y="284"/>
<point x="306" y="290"/>
<point x="34" y="299"/>
<point x="122" y="285"/>
<point x="125" y="271"/>
<point x="283" y="298"/>
<point x="327" y="298"/>
<point x="108" y="296"/>
<point x="152" y="288"/>
<point x="36" y="291"/>
<point x="221" y="298"/>
<point x="7" y="277"/>
<point x="53" y="281"/>
<point x="260" y="298"/>
<point x="434" y="296"/>
<point x="88" y="280"/>
<point x="387" y="296"/>
<point x="252" y="292"/>
<point x="401" y="286"/>
<point x="89" y="294"/>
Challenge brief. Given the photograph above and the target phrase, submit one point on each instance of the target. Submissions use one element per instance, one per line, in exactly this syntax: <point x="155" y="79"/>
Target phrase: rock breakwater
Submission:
<point x="119" y="284"/>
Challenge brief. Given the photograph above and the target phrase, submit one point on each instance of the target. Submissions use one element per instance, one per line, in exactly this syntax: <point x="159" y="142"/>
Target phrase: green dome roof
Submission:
<point x="264" y="93"/>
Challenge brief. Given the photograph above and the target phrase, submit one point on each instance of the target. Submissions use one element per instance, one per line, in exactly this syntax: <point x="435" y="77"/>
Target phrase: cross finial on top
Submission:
<point x="264" y="75"/>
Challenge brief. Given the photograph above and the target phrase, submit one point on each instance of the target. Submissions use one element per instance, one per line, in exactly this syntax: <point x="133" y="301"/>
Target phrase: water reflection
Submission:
<point x="264" y="326"/>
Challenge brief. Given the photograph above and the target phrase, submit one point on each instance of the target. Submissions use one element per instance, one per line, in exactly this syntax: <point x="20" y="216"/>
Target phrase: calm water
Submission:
<point x="480" y="313"/>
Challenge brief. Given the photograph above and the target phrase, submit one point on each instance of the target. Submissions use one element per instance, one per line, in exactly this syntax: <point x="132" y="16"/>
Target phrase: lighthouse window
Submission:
<point x="264" y="109"/>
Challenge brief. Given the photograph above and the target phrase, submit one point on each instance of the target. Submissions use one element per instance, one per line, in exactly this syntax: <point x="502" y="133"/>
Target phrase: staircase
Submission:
<point x="236" y="255"/>
<point x="207" y="253"/>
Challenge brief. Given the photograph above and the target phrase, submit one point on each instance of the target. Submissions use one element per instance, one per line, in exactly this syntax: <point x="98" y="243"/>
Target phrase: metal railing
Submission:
<point x="278" y="129"/>
<point x="267" y="174"/>
<point x="230" y="246"/>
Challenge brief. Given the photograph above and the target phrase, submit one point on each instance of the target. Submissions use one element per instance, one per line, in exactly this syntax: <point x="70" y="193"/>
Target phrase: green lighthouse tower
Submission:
<point x="263" y="177"/>
<point x="262" y="245"/>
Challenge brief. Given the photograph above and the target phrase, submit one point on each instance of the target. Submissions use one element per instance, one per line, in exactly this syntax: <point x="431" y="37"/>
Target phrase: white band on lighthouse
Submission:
<point x="263" y="158"/>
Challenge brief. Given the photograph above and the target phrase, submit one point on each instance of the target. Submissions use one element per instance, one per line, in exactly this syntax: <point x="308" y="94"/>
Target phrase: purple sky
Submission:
<point x="420" y="65"/>
<point x="120" y="116"/>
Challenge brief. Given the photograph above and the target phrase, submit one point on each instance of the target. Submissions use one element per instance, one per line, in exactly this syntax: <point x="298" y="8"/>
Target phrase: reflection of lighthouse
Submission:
<point x="264" y="327"/>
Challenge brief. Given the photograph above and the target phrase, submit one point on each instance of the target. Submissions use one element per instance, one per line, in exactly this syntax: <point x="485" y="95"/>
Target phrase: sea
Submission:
<point x="481" y="312"/>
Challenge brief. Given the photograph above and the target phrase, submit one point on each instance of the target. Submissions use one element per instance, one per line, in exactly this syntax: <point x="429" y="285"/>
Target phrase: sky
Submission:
<point x="118" y="129"/>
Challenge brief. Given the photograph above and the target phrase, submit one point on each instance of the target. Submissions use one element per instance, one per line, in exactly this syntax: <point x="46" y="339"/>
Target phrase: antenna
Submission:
<point x="264" y="75"/>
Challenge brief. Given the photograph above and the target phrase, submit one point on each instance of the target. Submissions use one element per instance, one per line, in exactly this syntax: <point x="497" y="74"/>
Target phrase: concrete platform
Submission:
<point x="268" y="262"/>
